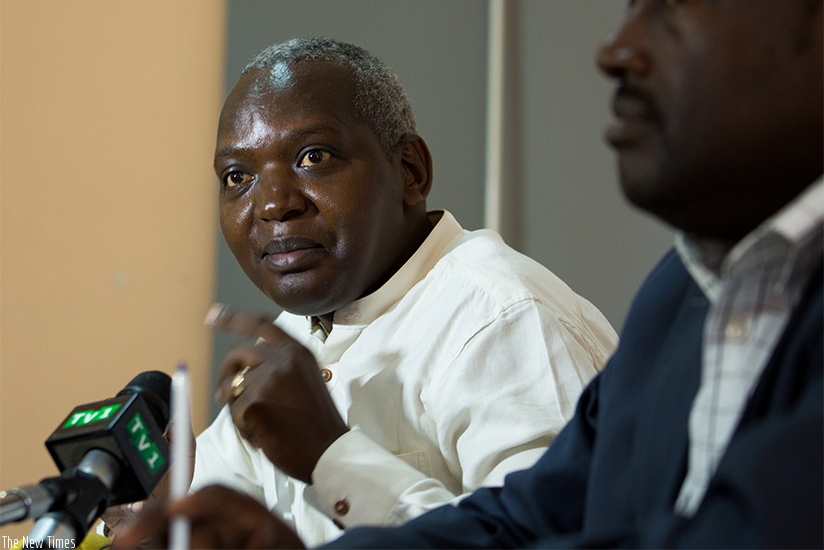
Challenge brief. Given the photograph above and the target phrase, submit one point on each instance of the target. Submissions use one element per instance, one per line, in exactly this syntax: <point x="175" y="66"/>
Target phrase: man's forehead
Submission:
<point x="248" y="129"/>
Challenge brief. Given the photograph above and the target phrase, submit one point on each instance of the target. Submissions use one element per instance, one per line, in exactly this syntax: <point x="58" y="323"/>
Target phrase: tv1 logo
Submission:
<point x="124" y="427"/>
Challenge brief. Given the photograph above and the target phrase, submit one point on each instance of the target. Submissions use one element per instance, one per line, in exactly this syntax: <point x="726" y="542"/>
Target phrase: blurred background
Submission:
<point x="110" y="253"/>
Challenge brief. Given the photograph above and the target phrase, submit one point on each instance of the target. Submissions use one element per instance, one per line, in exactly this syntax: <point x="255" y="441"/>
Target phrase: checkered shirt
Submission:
<point x="752" y="289"/>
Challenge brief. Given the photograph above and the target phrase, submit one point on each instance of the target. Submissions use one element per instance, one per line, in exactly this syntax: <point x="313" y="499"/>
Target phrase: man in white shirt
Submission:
<point x="441" y="359"/>
<point x="706" y="428"/>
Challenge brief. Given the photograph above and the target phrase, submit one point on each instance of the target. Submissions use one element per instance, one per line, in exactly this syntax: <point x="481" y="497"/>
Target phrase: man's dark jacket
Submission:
<point x="611" y="477"/>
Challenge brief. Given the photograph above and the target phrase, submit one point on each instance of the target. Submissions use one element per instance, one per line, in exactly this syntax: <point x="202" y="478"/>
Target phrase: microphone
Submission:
<point x="109" y="452"/>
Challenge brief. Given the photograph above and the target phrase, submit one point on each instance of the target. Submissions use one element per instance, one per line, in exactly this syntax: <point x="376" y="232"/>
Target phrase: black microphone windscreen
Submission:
<point x="156" y="389"/>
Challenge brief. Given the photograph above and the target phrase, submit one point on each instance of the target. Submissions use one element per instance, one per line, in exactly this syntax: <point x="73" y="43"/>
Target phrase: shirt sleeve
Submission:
<point x="496" y="408"/>
<point x="358" y="482"/>
<point x="223" y="457"/>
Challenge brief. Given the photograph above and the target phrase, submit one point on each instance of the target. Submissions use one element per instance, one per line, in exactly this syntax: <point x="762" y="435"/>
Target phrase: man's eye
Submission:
<point x="233" y="179"/>
<point x="314" y="157"/>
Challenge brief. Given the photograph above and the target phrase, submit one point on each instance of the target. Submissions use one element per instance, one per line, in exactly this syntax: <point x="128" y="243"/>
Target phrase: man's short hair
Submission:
<point x="380" y="101"/>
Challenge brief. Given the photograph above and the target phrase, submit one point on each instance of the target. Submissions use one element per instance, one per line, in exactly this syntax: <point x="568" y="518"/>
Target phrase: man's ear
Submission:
<point x="417" y="167"/>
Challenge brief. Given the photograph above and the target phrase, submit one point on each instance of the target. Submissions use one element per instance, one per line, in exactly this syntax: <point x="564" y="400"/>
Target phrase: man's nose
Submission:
<point x="280" y="196"/>
<point x="626" y="52"/>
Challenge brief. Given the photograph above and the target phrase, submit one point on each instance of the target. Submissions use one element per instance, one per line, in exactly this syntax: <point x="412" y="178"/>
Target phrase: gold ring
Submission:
<point x="239" y="382"/>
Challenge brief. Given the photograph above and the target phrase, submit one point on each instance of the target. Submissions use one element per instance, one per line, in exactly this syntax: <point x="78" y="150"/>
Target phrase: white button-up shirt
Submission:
<point x="460" y="369"/>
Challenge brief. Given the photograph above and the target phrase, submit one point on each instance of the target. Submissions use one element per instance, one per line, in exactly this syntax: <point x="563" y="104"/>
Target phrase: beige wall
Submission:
<point x="107" y="207"/>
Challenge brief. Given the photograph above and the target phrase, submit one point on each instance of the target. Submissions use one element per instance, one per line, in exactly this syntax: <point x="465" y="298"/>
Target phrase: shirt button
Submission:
<point x="736" y="330"/>
<point x="342" y="507"/>
<point x="326" y="374"/>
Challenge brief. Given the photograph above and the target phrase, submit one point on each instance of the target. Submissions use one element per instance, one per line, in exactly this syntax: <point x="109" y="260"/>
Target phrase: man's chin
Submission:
<point x="657" y="200"/>
<point x="311" y="293"/>
<point x="645" y="192"/>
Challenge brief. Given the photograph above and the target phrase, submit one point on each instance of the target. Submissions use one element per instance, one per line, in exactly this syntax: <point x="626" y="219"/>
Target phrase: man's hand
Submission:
<point x="219" y="518"/>
<point x="282" y="405"/>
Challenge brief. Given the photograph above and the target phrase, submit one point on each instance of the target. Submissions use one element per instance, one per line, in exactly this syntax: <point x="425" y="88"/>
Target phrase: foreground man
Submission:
<point x="705" y="428"/>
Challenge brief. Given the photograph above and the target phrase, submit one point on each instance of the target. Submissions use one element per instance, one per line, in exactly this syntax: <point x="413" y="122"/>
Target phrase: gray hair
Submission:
<point x="380" y="101"/>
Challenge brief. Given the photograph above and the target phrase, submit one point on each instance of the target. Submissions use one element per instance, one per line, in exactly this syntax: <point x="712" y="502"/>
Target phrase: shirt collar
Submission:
<point x="363" y="311"/>
<point x="796" y="230"/>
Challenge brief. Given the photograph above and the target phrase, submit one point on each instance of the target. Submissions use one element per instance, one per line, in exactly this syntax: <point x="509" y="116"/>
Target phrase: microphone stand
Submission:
<point x="77" y="498"/>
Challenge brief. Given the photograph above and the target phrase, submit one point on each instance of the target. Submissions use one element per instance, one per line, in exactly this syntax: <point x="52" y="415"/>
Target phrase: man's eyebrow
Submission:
<point x="231" y="150"/>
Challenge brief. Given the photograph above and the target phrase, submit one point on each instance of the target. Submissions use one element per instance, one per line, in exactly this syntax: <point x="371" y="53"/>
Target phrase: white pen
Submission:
<point x="181" y="435"/>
